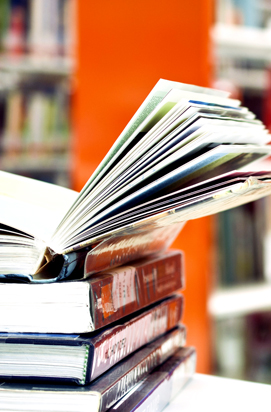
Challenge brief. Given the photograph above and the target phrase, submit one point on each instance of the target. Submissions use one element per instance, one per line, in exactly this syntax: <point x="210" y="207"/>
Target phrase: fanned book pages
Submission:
<point x="185" y="154"/>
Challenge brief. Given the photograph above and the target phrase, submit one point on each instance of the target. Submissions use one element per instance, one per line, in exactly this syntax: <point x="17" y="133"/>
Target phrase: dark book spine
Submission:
<point x="155" y="392"/>
<point x="111" y="346"/>
<point x="137" y="366"/>
<point x="124" y="290"/>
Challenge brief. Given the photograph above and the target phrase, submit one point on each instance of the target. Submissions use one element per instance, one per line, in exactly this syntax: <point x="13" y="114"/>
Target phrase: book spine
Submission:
<point x="155" y="392"/>
<point x="119" y="250"/>
<point x="111" y="346"/>
<point x="127" y="289"/>
<point x="139" y="365"/>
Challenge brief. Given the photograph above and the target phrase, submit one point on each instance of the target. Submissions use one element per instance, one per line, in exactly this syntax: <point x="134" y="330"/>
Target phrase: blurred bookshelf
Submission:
<point x="240" y="304"/>
<point x="36" y="69"/>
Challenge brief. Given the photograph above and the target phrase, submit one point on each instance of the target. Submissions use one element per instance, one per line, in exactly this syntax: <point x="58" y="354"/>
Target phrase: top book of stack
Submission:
<point x="184" y="155"/>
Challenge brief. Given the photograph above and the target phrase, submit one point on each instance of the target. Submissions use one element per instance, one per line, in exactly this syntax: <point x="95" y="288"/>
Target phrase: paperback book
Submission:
<point x="82" y="306"/>
<point x="185" y="154"/>
<point x="82" y="358"/>
<point x="156" y="391"/>
<point x="98" y="396"/>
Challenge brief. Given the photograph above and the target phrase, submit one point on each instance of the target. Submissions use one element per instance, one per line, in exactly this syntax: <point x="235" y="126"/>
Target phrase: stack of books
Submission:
<point x="90" y="342"/>
<point x="91" y="313"/>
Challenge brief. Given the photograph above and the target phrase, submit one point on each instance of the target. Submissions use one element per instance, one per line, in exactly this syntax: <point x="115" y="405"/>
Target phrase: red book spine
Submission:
<point x="118" y="342"/>
<point x="120" y="250"/>
<point x="124" y="290"/>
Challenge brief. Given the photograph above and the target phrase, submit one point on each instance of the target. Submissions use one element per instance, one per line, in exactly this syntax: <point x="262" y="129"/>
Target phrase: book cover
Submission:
<point x="54" y="356"/>
<point x="126" y="289"/>
<point x="160" y="172"/>
<point x="161" y="385"/>
<point x="104" y="391"/>
<point x="92" y="303"/>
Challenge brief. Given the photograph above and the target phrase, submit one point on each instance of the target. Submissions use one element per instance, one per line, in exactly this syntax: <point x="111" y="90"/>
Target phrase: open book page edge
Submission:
<point x="159" y="91"/>
<point x="216" y="120"/>
<point x="33" y="206"/>
<point x="252" y="189"/>
<point x="195" y="168"/>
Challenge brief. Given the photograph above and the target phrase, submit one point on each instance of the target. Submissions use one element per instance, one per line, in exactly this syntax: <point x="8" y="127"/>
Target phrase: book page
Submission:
<point x="33" y="206"/>
<point x="180" y="198"/>
<point x="234" y="195"/>
<point x="175" y="119"/>
<point x="193" y="139"/>
<point x="219" y="160"/>
<point x="156" y="95"/>
<point x="166" y="152"/>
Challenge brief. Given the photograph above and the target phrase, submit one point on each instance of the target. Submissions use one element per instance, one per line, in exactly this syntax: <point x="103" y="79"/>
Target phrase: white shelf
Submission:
<point x="242" y="42"/>
<point x="240" y="300"/>
<point x="39" y="163"/>
<point x="58" y="66"/>
<point x="253" y="79"/>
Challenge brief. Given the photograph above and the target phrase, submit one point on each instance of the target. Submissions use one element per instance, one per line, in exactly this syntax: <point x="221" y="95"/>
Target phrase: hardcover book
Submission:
<point x="82" y="358"/>
<point x="182" y="156"/>
<point x="98" y="396"/>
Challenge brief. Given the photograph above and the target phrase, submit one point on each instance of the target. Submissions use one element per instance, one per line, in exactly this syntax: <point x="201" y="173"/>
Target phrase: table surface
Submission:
<point x="216" y="394"/>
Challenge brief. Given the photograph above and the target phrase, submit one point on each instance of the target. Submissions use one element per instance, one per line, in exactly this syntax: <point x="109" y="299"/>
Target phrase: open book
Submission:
<point x="184" y="155"/>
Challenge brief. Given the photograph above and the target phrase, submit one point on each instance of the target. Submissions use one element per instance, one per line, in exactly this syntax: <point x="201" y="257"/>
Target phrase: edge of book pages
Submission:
<point x="157" y="232"/>
<point x="171" y="375"/>
<point x="24" y="371"/>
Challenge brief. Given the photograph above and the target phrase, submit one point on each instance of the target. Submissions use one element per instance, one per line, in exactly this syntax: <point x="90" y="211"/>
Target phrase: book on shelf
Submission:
<point x="104" y="392"/>
<point x="36" y="124"/>
<point x="160" y="386"/>
<point x="86" y="305"/>
<point x="43" y="28"/>
<point x="240" y="238"/>
<point x="182" y="156"/>
<point x="33" y="356"/>
<point x="15" y="26"/>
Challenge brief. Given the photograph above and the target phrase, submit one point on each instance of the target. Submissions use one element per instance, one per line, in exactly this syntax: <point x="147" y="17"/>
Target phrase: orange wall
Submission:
<point x="197" y="241"/>
<point x="124" y="47"/>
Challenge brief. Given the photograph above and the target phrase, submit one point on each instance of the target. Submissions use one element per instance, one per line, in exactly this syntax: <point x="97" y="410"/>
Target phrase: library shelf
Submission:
<point x="242" y="42"/>
<point x="246" y="78"/>
<point x="30" y="164"/>
<point x="240" y="300"/>
<point x="32" y="64"/>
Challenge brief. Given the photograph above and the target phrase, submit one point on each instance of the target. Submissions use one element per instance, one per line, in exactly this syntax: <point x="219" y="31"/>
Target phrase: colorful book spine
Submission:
<point x="126" y="289"/>
<point x="23" y="356"/>
<point x="155" y="392"/>
<point x="110" y="348"/>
